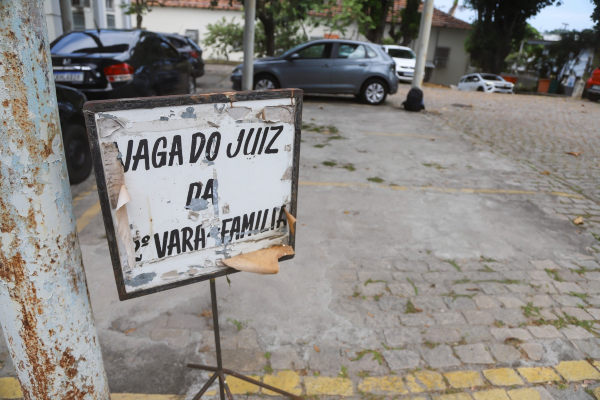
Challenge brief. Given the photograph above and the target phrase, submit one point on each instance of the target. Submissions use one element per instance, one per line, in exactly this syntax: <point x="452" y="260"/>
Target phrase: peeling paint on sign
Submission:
<point x="206" y="183"/>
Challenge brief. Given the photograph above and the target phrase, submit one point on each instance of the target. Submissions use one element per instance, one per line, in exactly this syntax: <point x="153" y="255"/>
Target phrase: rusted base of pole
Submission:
<point x="219" y="371"/>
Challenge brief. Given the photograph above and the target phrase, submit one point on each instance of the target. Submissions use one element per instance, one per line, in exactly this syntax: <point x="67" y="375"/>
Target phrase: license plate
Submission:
<point x="68" y="76"/>
<point x="408" y="74"/>
<point x="595" y="87"/>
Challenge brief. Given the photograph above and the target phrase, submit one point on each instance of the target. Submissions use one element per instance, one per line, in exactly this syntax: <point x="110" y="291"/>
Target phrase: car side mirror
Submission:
<point x="294" y="56"/>
<point x="475" y="79"/>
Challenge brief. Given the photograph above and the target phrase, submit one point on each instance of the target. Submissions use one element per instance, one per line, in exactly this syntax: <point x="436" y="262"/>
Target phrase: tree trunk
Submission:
<point x="139" y="21"/>
<point x="375" y="35"/>
<point x="269" y="27"/>
<point x="454" y="7"/>
<point x="138" y="9"/>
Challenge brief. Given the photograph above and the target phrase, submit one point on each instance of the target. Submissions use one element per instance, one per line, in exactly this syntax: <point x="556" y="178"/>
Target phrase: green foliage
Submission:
<point x="375" y="179"/>
<point x="498" y="25"/>
<point x="377" y="356"/>
<point x="239" y="325"/>
<point x="454" y="264"/>
<point x="344" y="372"/>
<point x="411" y="309"/>
<point x="139" y="8"/>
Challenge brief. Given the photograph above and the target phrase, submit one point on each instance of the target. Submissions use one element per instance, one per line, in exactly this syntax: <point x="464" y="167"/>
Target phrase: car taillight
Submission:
<point x="194" y="54"/>
<point x="119" y="72"/>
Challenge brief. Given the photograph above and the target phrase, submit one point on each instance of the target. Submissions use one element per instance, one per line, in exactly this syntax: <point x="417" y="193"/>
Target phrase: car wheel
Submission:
<point x="265" y="82"/>
<point x="77" y="153"/>
<point x="593" y="97"/>
<point x="374" y="92"/>
<point x="480" y="89"/>
<point x="191" y="85"/>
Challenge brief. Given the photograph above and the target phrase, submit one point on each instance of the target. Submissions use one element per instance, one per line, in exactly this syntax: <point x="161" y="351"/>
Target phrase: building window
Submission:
<point x="110" y="21"/>
<point x="80" y="3"/>
<point x="441" y="56"/>
<point x="193" y="34"/>
<point x="78" y="20"/>
<point x="110" y="4"/>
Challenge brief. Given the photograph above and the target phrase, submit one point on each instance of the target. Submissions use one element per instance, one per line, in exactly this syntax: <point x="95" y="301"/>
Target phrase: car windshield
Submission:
<point x="401" y="53"/>
<point x="490" y="77"/>
<point x="88" y="42"/>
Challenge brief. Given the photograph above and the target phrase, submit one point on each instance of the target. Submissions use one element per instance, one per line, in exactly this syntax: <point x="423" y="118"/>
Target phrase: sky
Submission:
<point x="576" y="13"/>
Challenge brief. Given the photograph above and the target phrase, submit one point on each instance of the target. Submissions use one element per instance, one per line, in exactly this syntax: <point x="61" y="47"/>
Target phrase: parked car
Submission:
<point x="189" y="49"/>
<point x="75" y="138"/>
<point x="592" y="86"/>
<point x="488" y="83"/>
<point x="114" y="64"/>
<point x="405" y="60"/>
<point x="328" y="66"/>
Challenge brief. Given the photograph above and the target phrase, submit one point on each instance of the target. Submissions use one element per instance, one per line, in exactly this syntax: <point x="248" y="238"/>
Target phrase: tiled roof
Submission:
<point x="440" y="18"/>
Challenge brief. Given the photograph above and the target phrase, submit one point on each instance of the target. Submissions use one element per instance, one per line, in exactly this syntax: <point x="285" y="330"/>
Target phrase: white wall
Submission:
<point x="53" y="19"/>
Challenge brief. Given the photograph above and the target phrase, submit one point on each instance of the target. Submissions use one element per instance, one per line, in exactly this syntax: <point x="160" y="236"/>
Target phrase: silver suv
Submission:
<point x="328" y="66"/>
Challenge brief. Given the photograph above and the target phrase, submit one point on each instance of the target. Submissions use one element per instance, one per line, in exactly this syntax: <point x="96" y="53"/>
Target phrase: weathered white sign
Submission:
<point x="187" y="182"/>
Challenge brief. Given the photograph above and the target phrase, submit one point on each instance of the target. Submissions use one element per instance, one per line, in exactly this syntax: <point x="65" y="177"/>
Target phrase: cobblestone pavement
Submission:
<point x="434" y="260"/>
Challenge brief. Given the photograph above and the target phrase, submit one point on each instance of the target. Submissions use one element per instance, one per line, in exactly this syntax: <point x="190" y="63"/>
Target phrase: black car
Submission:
<point x="191" y="50"/>
<point x="75" y="138"/>
<point x="114" y="64"/>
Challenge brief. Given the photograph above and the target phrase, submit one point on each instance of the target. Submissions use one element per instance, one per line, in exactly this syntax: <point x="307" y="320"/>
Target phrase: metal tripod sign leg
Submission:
<point x="219" y="371"/>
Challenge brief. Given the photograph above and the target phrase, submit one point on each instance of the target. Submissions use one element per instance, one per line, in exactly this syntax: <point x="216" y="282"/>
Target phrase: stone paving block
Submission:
<point x="588" y="347"/>
<point x="392" y="385"/>
<point x="594" y="312"/>
<point x="510" y="316"/>
<point x="316" y="385"/>
<point x="538" y="374"/>
<point x="328" y="360"/>
<point x="374" y="275"/>
<point x="567" y="287"/>
<point x="544" y="264"/>
<point x="542" y="300"/>
<point x="502" y="377"/>
<point x="412" y="266"/>
<point x="238" y="386"/>
<point x="494" y="394"/>
<point x="544" y="394"/>
<point x="524" y="394"/>
<point x="573" y="332"/>
<point x="544" y="286"/>
<point x="425" y="381"/>
<point x="420" y="319"/>
<point x="401" y="359"/>
<point x="484" y="302"/>
<point x="186" y="321"/>
<point x="502" y="334"/>
<point x="535" y="351"/>
<point x="455" y="396"/>
<point x="459" y="303"/>
<point x="493" y="288"/>
<point x="392" y="303"/>
<point x="288" y="381"/>
<point x="575" y="371"/>
<point x="401" y="336"/>
<point x="539" y="275"/>
<point x="247" y="339"/>
<point x="473" y="354"/>
<point x="545" y="332"/>
<point x="244" y="359"/>
<point x="401" y="289"/>
<point x="504" y="353"/>
<point x="519" y="288"/>
<point x="442" y="334"/>
<point x="577" y="313"/>
<point x="178" y="338"/>
<point x="449" y="318"/>
<point x="568" y="301"/>
<point x="464" y="379"/>
<point x="594" y="301"/>
<point x="430" y="303"/>
<point x="511" y="301"/>
<point x="477" y="317"/>
<point x="286" y="358"/>
<point x="439" y="357"/>
<point x="476" y="334"/>
<point x="373" y="289"/>
<point x="10" y="388"/>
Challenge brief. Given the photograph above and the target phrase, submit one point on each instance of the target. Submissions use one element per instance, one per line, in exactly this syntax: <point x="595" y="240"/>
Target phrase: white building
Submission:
<point x="66" y="15"/>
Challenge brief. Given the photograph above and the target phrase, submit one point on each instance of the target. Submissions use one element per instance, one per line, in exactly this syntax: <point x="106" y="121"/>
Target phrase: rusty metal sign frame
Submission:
<point x="93" y="107"/>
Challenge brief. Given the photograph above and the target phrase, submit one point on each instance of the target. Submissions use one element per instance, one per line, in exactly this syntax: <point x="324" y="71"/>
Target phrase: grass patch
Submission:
<point x="486" y="268"/>
<point x="530" y="311"/>
<point x="454" y="264"/>
<point x="411" y="309"/>
<point x="239" y="325"/>
<point x="343" y="372"/>
<point x="567" y="320"/>
<point x="391" y="348"/>
<point x="512" y="341"/>
<point x="372" y="281"/>
<point x="268" y="369"/>
<point x="499" y="324"/>
<point x="267" y="355"/>
<point x="375" y="179"/>
<point x="460" y="281"/>
<point x="430" y="345"/>
<point x="329" y="163"/>
<point x="484" y="259"/>
<point x="456" y="296"/>
<point x="503" y="281"/>
<point x="350" y="167"/>
<point x="582" y="296"/>
<point x="363" y="374"/>
<point x="320" y="146"/>
<point x="356" y="292"/>
<point x="433" y="165"/>
<point x="553" y="273"/>
<point x="596" y="236"/>
<point x="414" y="286"/>
<point x="377" y="356"/>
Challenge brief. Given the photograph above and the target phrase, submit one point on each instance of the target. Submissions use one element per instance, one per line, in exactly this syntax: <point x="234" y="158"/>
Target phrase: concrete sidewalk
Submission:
<point x="426" y="265"/>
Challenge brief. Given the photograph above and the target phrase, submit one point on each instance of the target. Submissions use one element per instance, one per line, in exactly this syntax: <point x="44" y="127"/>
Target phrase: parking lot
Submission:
<point x="435" y="255"/>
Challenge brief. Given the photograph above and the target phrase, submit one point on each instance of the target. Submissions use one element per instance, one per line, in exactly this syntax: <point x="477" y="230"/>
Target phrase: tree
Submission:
<point x="453" y="8"/>
<point x="139" y="8"/>
<point x="411" y="21"/>
<point x="499" y="23"/>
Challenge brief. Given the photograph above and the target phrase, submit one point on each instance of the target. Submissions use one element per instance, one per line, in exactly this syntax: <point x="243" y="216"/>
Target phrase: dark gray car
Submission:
<point x="328" y="66"/>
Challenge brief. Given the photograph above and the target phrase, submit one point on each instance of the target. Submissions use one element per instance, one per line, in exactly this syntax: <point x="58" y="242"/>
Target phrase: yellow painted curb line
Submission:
<point x="87" y="216"/>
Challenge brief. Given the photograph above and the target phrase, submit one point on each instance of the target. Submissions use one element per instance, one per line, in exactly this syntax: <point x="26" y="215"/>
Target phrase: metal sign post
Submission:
<point x="191" y="184"/>
<point x="44" y="305"/>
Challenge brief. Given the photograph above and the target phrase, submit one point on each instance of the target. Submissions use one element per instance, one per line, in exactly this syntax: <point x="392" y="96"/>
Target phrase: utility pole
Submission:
<point x="248" y="68"/>
<point x="45" y="309"/>
<point x="66" y="14"/>
<point x="423" y="42"/>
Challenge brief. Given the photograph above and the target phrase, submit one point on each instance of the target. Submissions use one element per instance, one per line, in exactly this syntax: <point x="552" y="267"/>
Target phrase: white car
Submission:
<point x="488" y="83"/>
<point x="405" y="60"/>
